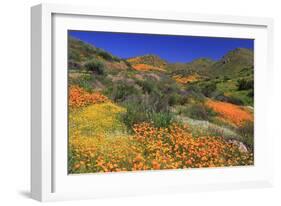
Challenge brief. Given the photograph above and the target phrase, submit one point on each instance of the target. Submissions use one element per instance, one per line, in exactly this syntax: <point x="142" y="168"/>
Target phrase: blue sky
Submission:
<point x="171" y="48"/>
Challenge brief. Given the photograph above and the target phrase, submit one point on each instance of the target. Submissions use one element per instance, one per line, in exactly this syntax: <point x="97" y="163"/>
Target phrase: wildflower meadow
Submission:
<point x="149" y="113"/>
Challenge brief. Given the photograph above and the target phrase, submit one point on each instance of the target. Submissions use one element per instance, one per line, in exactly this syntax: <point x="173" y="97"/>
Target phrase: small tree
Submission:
<point x="105" y="55"/>
<point x="209" y="88"/>
<point x="244" y="84"/>
<point x="95" y="66"/>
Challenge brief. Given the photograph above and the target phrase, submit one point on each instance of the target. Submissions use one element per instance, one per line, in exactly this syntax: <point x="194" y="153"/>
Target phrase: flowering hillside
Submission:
<point x="144" y="113"/>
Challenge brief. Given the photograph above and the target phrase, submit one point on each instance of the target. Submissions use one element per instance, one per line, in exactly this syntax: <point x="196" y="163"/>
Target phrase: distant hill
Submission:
<point x="148" y="63"/>
<point x="149" y="59"/>
<point x="233" y="63"/>
<point x="199" y="66"/>
<point x="80" y="53"/>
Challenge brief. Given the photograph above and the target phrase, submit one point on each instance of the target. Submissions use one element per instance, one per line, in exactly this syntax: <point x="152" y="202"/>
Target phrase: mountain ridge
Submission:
<point x="231" y="63"/>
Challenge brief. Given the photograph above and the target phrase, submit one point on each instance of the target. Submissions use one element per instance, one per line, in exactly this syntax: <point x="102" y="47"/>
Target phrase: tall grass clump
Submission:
<point x="138" y="113"/>
<point x="85" y="82"/>
<point x="246" y="131"/>
<point x="95" y="66"/>
<point x="198" y="111"/>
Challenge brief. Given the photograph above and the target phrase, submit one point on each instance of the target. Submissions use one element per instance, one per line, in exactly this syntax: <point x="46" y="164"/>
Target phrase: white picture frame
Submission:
<point x="49" y="179"/>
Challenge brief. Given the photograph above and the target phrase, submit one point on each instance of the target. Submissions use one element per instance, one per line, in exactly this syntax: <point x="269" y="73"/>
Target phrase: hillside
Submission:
<point x="200" y="65"/>
<point x="233" y="63"/>
<point x="238" y="62"/>
<point x="81" y="53"/>
<point x="149" y="59"/>
<point x="144" y="113"/>
<point x="228" y="79"/>
<point x="148" y="63"/>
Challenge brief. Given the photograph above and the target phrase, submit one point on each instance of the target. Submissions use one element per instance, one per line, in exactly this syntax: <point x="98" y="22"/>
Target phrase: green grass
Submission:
<point x="230" y="89"/>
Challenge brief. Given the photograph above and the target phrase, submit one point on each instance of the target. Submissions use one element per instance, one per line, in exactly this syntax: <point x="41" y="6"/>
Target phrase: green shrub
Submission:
<point x="134" y="114"/>
<point x="217" y="95"/>
<point x="198" y="111"/>
<point x="147" y="85"/>
<point x="120" y="91"/>
<point x="161" y="119"/>
<point x="74" y="55"/>
<point x="85" y="81"/>
<point x="174" y="99"/>
<point x="73" y="65"/>
<point x="114" y="58"/>
<point x="245" y="84"/>
<point x="226" y="78"/>
<point x="105" y="55"/>
<point x="234" y="100"/>
<point x="71" y="160"/>
<point x="157" y="102"/>
<point x="138" y="112"/>
<point x="246" y="132"/>
<point x="251" y="93"/>
<point x="95" y="66"/>
<point x="194" y="94"/>
<point x="208" y="88"/>
<point x="88" y="48"/>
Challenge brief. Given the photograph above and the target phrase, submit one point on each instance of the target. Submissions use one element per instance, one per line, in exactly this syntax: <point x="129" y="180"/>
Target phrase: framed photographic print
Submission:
<point x="137" y="102"/>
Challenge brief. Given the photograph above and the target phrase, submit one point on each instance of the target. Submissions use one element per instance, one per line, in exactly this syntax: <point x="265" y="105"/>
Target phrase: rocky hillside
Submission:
<point x="149" y="59"/>
<point x="233" y="63"/>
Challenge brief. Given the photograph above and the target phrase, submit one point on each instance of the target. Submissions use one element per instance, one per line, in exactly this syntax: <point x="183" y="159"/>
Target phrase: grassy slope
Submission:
<point x="229" y="88"/>
<point x="232" y="63"/>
